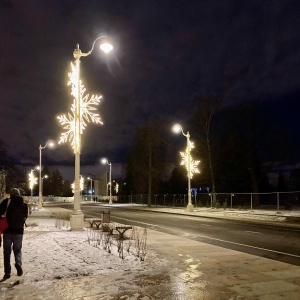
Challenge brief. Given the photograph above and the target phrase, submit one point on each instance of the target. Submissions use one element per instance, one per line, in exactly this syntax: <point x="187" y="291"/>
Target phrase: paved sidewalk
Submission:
<point x="194" y="270"/>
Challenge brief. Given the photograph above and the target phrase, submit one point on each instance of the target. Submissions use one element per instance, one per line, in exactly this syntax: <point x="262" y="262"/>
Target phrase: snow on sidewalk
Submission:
<point x="51" y="253"/>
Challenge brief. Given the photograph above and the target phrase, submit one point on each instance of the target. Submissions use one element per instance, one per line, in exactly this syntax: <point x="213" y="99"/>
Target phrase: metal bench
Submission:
<point x="94" y="222"/>
<point x="121" y="230"/>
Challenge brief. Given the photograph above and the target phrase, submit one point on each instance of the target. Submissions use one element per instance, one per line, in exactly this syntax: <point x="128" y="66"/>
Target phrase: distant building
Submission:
<point x="101" y="184"/>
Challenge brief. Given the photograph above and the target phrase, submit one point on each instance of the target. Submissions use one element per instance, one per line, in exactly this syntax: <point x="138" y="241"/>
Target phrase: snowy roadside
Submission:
<point x="259" y="215"/>
<point x="51" y="253"/>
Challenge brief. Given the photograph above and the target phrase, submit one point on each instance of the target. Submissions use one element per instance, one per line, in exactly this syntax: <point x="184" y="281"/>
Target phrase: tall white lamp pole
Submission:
<point x="191" y="165"/>
<point x="50" y="144"/>
<point x="105" y="161"/>
<point x="83" y="112"/>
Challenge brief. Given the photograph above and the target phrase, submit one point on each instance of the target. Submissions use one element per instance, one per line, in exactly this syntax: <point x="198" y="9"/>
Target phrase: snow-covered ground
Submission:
<point x="57" y="260"/>
<point x="51" y="251"/>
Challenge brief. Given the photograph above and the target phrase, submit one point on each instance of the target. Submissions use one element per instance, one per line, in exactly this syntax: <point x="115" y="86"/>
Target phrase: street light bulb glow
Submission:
<point x="106" y="47"/>
<point x="176" y="128"/>
<point x="51" y="144"/>
<point x="103" y="161"/>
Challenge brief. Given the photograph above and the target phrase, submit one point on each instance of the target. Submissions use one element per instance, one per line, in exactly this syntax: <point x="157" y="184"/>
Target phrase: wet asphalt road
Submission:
<point x="264" y="240"/>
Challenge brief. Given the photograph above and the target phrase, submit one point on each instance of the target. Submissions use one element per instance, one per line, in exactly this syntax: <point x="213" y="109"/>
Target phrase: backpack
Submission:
<point x="17" y="213"/>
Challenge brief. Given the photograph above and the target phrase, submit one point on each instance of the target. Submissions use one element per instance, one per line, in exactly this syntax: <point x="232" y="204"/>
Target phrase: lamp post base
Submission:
<point x="40" y="204"/>
<point x="190" y="207"/>
<point x="110" y="202"/>
<point x="77" y="221"/>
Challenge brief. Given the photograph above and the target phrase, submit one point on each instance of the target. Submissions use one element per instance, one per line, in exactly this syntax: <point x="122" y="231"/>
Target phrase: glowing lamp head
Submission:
<point x="106" y="47"/>
<point x="51" y="144"/>
<point x="46" y="176"/>
<point x="176" y="128"/>
<point x="104" y="161"/>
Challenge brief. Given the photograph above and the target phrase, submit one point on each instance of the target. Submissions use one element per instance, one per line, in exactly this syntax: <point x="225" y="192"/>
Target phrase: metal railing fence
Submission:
<point x="275" y="201"/>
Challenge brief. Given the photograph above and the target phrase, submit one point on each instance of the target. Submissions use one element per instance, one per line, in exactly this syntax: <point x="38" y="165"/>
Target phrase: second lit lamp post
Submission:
<point x="190" y="164"/>
<point x="105" y="161"/>
<point x="51" y="145"/>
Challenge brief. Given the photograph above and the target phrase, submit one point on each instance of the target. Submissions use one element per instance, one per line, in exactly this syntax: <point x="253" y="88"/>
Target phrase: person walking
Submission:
<point x="16" y="211"/>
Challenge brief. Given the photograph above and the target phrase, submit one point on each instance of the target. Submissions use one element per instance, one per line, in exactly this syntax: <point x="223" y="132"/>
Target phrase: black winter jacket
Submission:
<point x="16" y="203"/>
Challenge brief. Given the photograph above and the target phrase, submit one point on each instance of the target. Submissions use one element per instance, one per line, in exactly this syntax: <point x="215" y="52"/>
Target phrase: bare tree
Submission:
<point x="6" y="169"/>
<point x="207" y="107"/>
<point x="146" y="161"/>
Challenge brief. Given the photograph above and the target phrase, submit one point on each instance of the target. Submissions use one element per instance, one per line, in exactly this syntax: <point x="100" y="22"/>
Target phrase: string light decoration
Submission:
<point x="32" y="180"/>
<point x="87" y="112"/>
<point x="117" y="188"/>
<point x="185" y="160"/>
<point x="81" y="185"/>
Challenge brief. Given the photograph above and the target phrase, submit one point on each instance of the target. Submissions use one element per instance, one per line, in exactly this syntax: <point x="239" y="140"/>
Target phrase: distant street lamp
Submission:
<point x="190" y="164"/>
<point x="51" y="145"/>
<point x="105" y="161"/>
<point x="44" y="177"/>
<point x="89" y="178"/>
<point x="82" y="112"/>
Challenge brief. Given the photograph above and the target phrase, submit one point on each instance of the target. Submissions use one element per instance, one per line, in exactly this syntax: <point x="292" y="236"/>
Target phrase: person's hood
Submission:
<point x="16" y="198"/>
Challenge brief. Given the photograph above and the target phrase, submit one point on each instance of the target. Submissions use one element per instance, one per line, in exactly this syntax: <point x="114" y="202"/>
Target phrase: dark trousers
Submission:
<point x="12" y="242"/>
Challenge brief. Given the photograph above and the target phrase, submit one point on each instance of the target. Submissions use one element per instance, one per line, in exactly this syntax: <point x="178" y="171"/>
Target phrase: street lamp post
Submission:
<point x="82" y="113"/>
<point x="50" y="144"/>
<point x="91" y="187"/>
<point x="105" y="161"/>
<point x="191" y="166"/>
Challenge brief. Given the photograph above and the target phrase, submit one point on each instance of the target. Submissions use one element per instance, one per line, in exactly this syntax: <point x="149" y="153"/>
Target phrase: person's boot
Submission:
<point x="19" y="269"/>
<point x="6" y="276"/>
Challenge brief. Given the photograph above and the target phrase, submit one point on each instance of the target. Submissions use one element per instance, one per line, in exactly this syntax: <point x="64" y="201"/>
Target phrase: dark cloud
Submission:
<point x="166" y="52"/>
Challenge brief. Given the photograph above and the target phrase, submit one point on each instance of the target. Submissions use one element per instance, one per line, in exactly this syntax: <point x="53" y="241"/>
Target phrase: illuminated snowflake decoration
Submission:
<point x="193" y="163"/>
<point x="81" y="185"/>
<point x="87" y="112"/>
<point x="32" y="180"/>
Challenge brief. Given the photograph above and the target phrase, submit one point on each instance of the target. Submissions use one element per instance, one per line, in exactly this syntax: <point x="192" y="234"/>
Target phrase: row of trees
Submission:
<point x="237" y="146"/>
<point x="12" y="176"/>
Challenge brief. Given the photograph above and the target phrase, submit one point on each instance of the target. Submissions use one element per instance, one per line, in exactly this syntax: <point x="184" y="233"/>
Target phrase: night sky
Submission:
<point x="166" y="52"/>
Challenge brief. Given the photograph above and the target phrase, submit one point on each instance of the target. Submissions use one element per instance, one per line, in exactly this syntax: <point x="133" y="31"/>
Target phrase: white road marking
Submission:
<point x="205" y="225"/>
<point x="253" y="232"/>
<point x="215" y="239"/>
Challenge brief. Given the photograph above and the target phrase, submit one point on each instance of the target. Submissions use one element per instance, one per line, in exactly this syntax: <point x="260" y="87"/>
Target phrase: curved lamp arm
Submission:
<point x="177" y="127"/>
<point x="50" y="143"/>
<point x="77" y="52"/>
